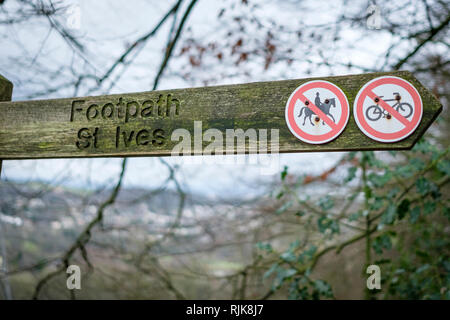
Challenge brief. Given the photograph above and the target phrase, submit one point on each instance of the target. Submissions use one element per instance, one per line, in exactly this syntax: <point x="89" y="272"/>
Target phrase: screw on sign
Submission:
<point x="317" y="112"/>
<point x="388" y="109"/>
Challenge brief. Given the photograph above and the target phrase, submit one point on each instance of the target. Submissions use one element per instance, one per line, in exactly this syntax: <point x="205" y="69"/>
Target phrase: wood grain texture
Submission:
<point x="51" y="128"/>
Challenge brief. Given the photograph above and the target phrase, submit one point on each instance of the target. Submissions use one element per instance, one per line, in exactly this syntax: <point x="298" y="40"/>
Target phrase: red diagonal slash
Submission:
<point x="389" y="109"/>
<point x="318" y="112"/>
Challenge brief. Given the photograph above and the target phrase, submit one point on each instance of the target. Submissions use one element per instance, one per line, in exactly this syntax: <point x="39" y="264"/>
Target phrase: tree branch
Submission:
<point x="433" y="32"/>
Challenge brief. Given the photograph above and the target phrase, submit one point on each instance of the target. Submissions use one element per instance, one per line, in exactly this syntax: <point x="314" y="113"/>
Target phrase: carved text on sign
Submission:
<point x="125" y="112"/>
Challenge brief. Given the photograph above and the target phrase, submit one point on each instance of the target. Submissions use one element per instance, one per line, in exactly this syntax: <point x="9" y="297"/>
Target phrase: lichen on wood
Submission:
<point x="141" y="124"/>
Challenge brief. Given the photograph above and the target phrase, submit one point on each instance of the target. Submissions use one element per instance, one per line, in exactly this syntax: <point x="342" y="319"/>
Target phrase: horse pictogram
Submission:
<point x="324" y="107"/>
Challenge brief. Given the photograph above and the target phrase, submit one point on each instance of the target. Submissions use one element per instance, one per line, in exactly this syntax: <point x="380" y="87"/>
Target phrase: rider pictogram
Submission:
<point x="324" y="107"/>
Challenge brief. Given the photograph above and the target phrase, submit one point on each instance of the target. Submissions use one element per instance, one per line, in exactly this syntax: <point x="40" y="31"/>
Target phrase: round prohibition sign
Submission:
<point x="317" y="112"/>
<point x="388" y="109"/>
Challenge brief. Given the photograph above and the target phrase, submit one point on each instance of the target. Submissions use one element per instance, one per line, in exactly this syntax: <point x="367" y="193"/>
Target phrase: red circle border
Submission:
<point x="394" y="136"/>
<point x="323" y="138"/>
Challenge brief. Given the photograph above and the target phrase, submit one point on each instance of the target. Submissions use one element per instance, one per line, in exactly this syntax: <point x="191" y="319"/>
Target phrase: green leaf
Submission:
<point x="307" y="255"/>
<point x="264" y="246"/>
<point x="417" y="164"/>
<point x="326" y="203"/>
<point x="325" y="223"/>
<point x="272" y="269"/>
<point x="429" y="207"/>
<point x="352" y="196"/>
<point x="393" y="192"/>
<point x="422" y="268"/>
<point x="446" y="212"/>
<point x="446" y="265"/>
<point x="414" y="215"/>
<point x="424" y="255"/>
<point x="370" y="158"/>
<point x="403" y="208"/>
<point x="284" y="173"/>
<point x="367" y="192"/>
<point x="380" y="180"/>
<point x="355" y="216"/>
<point x="351" y="155"/>
<point x="322" y="286"/>
<point x="351" y="174"/>
<point x="389" y="215"/>
<point x="284" y="207"/>
<point x="376" y="203"/>
<point x="405" y="171"/>
<point x="280" y="194"/>
<point x="294" y="245"/>
<point x="424" y="187"/>
<point x="444" y="167"/>
<point x="424" y="147"/>
<point x="382" y="242"/>
<point x="282" y="275"/>
<point x="300" y="213"/>
<point x="322" y="289"/>
<point x="289" y="255"/>
<point x="383" y="261"/>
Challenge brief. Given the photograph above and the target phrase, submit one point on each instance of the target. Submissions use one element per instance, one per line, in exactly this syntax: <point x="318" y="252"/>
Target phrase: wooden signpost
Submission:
<point x="142" y="124"/>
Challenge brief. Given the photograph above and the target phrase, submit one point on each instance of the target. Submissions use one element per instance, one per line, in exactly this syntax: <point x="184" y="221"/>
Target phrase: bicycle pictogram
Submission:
<point x="375" y="112"/>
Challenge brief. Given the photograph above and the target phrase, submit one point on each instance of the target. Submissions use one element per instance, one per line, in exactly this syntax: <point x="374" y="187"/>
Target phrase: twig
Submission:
<point x="433" y="32"/>
<point x="84" y="236"/>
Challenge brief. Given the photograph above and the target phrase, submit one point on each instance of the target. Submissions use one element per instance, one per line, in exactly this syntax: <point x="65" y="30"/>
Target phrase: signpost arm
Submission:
<point x="147" y="123"/>
<point x="6" y="88"/>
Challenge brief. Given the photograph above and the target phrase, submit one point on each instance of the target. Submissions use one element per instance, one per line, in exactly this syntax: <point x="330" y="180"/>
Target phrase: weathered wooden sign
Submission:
<point x="343" y="113"/>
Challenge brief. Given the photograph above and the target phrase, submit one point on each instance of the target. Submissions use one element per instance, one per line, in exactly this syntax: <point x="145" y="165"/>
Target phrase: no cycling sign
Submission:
<point x="386" y="109"/>
<point x="317" y="112"/>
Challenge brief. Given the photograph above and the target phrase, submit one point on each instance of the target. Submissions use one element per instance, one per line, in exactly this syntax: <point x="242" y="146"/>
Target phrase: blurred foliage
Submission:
<point x="403" y="216"/>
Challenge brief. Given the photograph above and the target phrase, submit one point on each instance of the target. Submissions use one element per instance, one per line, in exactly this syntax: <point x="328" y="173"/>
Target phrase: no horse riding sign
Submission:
<point x="324" y="105"/>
